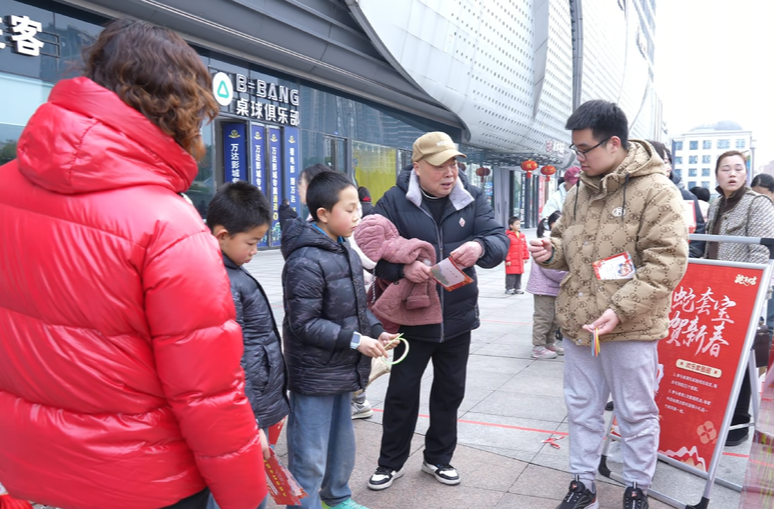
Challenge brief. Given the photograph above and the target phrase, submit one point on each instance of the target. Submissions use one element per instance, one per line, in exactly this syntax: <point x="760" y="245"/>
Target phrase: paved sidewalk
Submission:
<point x="512" y="404"/>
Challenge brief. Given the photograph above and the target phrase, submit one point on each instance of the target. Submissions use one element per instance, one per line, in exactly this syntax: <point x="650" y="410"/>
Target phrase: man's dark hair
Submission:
<point x="238" y="207"/>
<point x="324" y="189"/>
<point x="310" y="172"/>
<point x="703" y="193"/>
<point x="285" y="201"/>
<point x="605" y="119"/>
<point x="513" y="219"/>
<point x="763" y="180"/>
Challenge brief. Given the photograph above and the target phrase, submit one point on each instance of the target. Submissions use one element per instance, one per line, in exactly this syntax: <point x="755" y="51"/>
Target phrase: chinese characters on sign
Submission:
<point x="22" y="34"/>
<point x="275" y="164"/>
<point x="234" y="160"/>
<point x="282" y="108"/>
<point x="290" y="139"/>
<point x="257" y="135"/>
<point x="716" y="309"/>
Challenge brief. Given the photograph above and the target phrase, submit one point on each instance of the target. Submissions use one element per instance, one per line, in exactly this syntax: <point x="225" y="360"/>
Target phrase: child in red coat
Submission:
<point x="517" y="255"/>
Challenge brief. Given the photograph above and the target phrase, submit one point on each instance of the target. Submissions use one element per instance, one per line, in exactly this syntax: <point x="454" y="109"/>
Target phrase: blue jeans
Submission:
<point x="321" y="447"/>
<point x="211" y="504"/>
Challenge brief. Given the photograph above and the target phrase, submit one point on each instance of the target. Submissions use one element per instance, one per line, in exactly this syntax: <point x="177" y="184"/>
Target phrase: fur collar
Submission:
<point x="459" y="196"/>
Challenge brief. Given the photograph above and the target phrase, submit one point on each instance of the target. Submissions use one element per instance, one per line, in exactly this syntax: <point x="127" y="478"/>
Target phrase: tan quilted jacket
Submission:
<point x="633" y="209"/>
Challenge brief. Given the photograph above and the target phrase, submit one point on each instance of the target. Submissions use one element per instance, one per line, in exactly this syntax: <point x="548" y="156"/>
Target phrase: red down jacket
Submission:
<point x="120" y="377"/>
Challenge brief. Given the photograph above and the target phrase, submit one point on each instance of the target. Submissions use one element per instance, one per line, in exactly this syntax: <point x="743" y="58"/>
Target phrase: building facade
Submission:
<point x="695" y="153"/>
<point x="351" y="83"/>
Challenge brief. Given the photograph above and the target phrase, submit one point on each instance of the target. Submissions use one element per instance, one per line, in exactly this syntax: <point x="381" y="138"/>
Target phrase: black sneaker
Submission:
<point x="383" y="478"/>
<point x="445" y="474"/>
<point x="634" y="498"/>
<point x="579" y="497"/>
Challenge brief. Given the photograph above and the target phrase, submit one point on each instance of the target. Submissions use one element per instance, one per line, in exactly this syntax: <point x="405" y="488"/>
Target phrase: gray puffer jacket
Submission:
<point x="265" y="381"/>
<point x="325" y="304"/>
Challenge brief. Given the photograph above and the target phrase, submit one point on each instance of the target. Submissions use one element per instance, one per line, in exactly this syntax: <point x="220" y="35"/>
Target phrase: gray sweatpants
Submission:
<point x="628" y="369"/>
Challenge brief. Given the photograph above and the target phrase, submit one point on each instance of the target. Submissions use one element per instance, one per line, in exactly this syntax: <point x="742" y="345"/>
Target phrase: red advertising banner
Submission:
<point x="712" y="310"/>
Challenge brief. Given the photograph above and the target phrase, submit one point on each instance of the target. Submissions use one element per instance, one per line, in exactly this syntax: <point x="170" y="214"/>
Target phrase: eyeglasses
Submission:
<point x="582" y="153"/>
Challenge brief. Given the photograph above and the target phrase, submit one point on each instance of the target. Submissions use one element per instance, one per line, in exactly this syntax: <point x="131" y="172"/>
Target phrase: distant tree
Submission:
<point x="7" y="151"/>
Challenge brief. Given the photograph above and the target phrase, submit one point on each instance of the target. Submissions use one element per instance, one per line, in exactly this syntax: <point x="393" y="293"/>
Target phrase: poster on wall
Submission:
<point x="712" y="309"/>
<point x="275" y="163"/>
<point x="292" y="156"/>
<point x="234" y="160"/>
<point x="258" y="151"/>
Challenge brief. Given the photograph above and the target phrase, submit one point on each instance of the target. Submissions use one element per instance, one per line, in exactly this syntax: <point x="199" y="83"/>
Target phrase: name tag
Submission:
<point x="615" y="267"/>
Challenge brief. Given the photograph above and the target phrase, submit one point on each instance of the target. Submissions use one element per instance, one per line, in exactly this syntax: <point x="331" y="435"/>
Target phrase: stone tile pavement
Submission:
<point x="512" y="404"/>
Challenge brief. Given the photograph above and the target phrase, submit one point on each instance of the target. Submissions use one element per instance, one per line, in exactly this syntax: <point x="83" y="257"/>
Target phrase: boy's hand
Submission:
<point x="388" y="340"/>
<point x="604" y="324"/>
<point x="541" y="249"/>
<point x="264" y="444"/>
<point x="371" y="347"/>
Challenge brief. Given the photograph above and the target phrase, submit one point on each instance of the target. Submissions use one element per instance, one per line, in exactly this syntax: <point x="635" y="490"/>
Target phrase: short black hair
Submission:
<point x="310" y="172"/>
<point x="605" y="119"/>
<point x="763" y="180"/>
<point x="324" y="190"/>
<point x="238" y="207"/>
<point x="703" y="193"/>
<point x="513" y="219"/>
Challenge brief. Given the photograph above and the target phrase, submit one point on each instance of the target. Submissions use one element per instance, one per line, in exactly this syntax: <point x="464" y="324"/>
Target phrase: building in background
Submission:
<point x="696" y="152"/>
<point x="352" y="83"/>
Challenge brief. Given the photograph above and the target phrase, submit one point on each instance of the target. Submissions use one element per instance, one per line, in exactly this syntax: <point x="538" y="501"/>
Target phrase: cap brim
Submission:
<point x="441" y="157"/>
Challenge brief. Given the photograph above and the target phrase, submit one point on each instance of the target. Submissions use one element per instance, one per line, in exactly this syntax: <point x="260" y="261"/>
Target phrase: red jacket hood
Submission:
<point x="86" y="139"/>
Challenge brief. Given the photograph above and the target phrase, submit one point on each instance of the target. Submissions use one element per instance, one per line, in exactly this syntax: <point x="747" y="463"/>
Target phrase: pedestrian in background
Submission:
<point x="329" y="336"/>
<point x="239" y="216"/>
<point x="624" y="212"/>
<point x="365" y="200"/>
<point x="763" y="183"/>
<point x="543" y="284"/>
<point x="517" y="255"/>
<point x="286" y="213"/>
<point x="120" y="376"/>
<point x="703" y="195"/>
<point x="556" y="201"/>
<point x="739" y="211"/>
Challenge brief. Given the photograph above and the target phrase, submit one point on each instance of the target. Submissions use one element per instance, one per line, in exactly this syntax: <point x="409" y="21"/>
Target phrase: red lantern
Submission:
<point x="483" y="172"/>
<point x="548" y="170"/>
<point x="529" y="166"/>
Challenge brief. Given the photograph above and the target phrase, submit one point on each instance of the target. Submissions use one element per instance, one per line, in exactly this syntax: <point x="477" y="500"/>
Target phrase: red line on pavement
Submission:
<point x="736" y="455"/>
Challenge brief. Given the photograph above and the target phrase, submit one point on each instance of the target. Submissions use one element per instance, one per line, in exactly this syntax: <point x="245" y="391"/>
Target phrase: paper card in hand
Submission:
<point x="449" y="275"/>
<point x="283" y="487"/>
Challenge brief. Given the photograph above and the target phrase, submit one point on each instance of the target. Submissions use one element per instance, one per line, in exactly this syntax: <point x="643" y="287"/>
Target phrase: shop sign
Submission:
<point x="234" y="160"/>
<point x="22" y="33"/>
<point x="281" y="110"/>
<point x="258" y="150"/>
<point x="712" y="309"/>
<point x="275" y="164"/>
<point x="292" y="152"/>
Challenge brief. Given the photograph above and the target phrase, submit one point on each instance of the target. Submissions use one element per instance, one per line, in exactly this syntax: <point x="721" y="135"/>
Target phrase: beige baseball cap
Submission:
<point x="436" y="148"/>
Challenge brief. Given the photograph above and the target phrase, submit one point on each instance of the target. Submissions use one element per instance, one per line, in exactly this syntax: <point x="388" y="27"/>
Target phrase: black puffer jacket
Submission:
<point x="468" y="216"/>
<point x="325" y="304"/>
<point x="265" y="380"/>
<point x="695" y="248"/>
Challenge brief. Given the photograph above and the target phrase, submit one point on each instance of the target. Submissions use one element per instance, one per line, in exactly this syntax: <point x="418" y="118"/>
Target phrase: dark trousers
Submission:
<point x="195" y="501"/>
<point x="742" y="410"/>
<point x="401" y="407"/>
<point x="513" y="281"/>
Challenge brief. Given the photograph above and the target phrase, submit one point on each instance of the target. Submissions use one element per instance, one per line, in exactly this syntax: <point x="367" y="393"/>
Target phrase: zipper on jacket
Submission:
<point x="440" y="249"/>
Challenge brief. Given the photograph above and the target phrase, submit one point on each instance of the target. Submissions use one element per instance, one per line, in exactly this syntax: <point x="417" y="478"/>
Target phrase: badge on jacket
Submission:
<point x="462" y="222"/>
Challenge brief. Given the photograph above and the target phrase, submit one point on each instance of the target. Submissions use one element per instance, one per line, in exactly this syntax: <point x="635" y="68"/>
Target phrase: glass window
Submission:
<point x="693" y="159"/>
<point x="375" y="167"/>
<point x="678" y="173"/>
<point x="692" y="172"/>
<point x="706" y="144"/>
<point x="741" y="144"/>
<point x="694" y="145"/>
<point x="705" y="172"/>
<point x="691" y="183"/>
<point x="29" y="94"/>
<point x="705" y="184"/>
<point x="724" y="143"/>
<point x="678" y="145"/>
<point x="706" y="159"/>
<point x="679" y="160"/>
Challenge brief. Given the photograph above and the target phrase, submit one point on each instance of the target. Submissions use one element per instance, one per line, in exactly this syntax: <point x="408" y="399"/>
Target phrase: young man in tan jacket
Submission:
<point x="624" y="241"/>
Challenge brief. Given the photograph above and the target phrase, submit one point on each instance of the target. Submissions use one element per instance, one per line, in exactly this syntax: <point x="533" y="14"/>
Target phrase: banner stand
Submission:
<point x="748" y="284"/>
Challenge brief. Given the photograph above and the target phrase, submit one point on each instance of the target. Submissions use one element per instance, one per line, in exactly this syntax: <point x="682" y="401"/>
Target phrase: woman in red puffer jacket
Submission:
<point x="120" y="377"/>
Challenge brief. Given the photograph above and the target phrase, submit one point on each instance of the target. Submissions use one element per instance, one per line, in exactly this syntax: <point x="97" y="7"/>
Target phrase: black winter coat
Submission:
<point x="325" y="304"/>
<point x="286" y="213"/>
<point x="468" y="216"/>
<point x="265" y="380"/>
<point x="696" y="249"/>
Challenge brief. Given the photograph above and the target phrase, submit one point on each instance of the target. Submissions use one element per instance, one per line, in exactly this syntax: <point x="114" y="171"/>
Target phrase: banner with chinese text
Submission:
<point x="712" y="309"/>
<point x="258" y="151"/>
<point x="275" y="165"/>
<point x="292" y="156"/>
<point x="234" y="160"/>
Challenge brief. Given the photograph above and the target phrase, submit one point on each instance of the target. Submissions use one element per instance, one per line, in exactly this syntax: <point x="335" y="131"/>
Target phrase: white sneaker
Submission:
<point x="444" y="474"/>
<point x="555" y="347"/>
<point x="363" y="411"/>
<point x="383" y="478"/>
<point x="541" y="352"/>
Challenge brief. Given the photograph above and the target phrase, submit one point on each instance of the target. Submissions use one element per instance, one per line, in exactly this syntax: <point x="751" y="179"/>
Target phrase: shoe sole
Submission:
<point x="363" y="415"/>
<point x="380" y="487"/>
<point x="431" y="471"/>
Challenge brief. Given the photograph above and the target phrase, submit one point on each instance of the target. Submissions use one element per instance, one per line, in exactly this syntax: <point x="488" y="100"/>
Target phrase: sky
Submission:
<point x="714" y="61"/>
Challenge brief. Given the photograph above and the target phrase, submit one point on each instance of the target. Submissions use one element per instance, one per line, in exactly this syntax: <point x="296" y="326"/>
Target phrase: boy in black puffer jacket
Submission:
<point x="327" y="327"/>
<point x="239" y="216"/>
